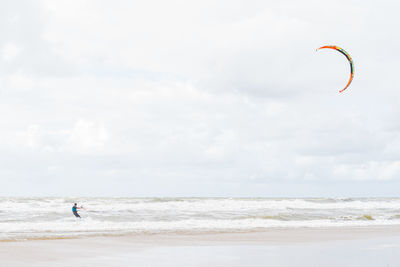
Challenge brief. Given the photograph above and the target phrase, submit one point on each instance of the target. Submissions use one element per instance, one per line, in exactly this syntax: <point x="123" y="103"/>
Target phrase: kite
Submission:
<point x="348" y="58"/>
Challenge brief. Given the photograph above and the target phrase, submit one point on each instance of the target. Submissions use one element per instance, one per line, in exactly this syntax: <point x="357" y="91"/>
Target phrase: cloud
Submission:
<point x="10" y="51"/>
<point x="88" y="137"/>
<point x="372" y="170"/>
<point x="85" y="137"/>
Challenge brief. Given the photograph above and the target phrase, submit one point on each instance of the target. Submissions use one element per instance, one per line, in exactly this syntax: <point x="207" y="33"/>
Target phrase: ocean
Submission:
<point x="42" y="218"/>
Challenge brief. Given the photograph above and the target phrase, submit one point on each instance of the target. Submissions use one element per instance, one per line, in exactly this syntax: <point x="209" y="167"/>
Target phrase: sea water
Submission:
<point x="30" y="218"/>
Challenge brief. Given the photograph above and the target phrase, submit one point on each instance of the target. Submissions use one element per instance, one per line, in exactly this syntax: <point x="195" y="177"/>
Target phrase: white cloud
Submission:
<point x="372" y="170"/>
<point x="10" y="51"/>
<point x="87" y="137"/>
<point x="30" y="136"/>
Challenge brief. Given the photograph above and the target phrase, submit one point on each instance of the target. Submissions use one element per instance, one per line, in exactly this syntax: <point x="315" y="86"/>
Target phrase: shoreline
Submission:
<point x="299" y="234"/>
<point x="277" y="246"/>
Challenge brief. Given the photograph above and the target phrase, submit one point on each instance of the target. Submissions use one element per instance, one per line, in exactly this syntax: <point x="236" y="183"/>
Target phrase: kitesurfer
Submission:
<point x="75" y="210"/>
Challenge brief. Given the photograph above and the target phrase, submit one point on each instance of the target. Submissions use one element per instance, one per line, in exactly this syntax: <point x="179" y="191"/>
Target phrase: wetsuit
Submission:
<point x="75" y="212"/>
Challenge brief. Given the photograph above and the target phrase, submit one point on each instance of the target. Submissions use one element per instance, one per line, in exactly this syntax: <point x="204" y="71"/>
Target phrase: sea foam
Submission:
<point x="24" y="218"/>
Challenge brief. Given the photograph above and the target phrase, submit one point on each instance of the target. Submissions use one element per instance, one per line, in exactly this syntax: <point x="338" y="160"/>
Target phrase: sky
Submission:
<point x="199" y="98"/>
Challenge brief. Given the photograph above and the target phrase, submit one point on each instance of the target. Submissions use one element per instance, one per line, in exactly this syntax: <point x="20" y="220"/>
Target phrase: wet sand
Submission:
<point x="377" y="246"/>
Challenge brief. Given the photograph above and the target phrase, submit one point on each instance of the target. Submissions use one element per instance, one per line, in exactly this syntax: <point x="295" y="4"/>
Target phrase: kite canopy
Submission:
<point x="348" y="58"/>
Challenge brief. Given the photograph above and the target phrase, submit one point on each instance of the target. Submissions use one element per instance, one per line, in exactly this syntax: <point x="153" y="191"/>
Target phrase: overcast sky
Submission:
<point x="199" y="98"/>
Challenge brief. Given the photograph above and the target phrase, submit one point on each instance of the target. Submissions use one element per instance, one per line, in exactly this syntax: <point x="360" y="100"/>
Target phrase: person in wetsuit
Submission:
<point x="75" y="210"/>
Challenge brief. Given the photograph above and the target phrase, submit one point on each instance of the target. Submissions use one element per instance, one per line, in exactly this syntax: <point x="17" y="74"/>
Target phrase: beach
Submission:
<point x="200" y="232"/>
<point x="350" y="246"/>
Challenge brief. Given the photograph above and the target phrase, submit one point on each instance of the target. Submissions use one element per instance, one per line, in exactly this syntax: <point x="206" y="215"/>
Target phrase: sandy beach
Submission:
<point x="372" y="246"/>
